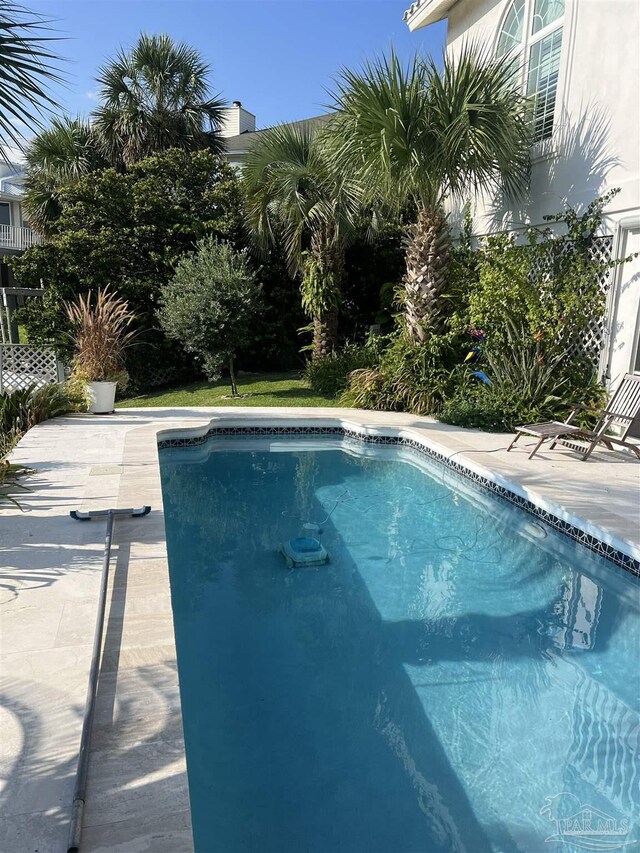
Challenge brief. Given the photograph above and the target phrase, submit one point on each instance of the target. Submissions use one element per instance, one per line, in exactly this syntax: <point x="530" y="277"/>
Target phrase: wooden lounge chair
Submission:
<point x="622" y="411"/>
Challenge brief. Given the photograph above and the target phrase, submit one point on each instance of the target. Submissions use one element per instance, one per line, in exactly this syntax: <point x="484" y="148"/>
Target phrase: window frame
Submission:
<point x="9" y="206"/>
<point x="522" y="54"/>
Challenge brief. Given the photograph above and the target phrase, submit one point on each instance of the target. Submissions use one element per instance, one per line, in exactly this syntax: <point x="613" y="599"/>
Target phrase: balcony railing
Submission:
<point x="17" y="237"/>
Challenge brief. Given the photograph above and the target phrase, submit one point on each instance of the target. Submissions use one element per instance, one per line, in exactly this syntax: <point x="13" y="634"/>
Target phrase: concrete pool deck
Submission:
<point x="49" y="582"/>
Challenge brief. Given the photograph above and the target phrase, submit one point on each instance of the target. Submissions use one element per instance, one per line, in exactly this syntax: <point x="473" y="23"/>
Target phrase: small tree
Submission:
<point x="209" y="305"/>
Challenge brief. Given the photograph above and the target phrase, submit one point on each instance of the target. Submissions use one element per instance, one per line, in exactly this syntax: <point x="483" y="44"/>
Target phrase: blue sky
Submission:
<point x="278" y="58"/>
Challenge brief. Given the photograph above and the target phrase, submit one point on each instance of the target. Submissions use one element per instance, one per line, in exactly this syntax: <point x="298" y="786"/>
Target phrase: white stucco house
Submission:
<point x="580" y="61"/>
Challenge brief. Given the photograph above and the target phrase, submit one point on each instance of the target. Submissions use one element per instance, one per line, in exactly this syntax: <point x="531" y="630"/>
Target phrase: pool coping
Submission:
<point x="155" y="815"/>
<point x="598" y="540"/>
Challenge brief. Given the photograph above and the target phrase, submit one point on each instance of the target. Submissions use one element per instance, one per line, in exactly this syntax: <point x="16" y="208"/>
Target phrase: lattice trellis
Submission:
<point x="23" y="366"/>
<point x="594" y="336"/>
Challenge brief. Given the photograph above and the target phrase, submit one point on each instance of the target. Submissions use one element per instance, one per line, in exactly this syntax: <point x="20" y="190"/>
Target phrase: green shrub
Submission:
<point x="330" y="375"/>
<point x="520" y="393"/>
<point x="501" y="410"/>
<point x="494" y="411"/>
<point x="14" y="412"/>
<point x="126" y="230"/>
<point x="523" y="308"/>
<point x="411" y="376"/>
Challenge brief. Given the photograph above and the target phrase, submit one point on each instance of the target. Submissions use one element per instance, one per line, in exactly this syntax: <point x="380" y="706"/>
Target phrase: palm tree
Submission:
<point x="57" y="156"/>
<point x="296" y="195"/>
<point x="156" y="97"/>
<point x="27" y="67"/>
<point x="416" y="135"/>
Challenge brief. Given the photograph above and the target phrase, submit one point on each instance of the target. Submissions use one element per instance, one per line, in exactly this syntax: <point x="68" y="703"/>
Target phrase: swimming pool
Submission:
<point x="457" y="677"/>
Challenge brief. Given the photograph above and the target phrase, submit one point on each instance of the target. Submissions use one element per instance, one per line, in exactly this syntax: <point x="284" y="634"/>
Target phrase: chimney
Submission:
<point x="237" y="120"/>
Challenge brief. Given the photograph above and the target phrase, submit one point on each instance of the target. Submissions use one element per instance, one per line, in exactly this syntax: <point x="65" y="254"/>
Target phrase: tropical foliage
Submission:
<point x="412" y="376"/>
<point x="210" y="304"/>
<point x="297" y="196"/>
<point x="58" y="156"/>
<point x="156" y="97"/>
<point x="330" y="374"/>
<point x="28" y="65"/>
<point x="152" y="98"/>
<point x="21" y="409"/>
<point x="127" y="231"/>
<point x="514" y="350"/>
<point x="415" y="135"/>
<point x="10" y="475"/>
<point x="350" y="212"/>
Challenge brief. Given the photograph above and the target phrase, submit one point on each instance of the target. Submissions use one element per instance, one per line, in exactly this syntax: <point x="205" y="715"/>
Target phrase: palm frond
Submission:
<point x="294" y="190"/>
<point x="57" y="156"/>
<point x="383" y="122"/>
<point x="479" y="120"/>
<point x="28" y="66"/>
<point x="414" y="133"/>
<point x="156" y="97"/>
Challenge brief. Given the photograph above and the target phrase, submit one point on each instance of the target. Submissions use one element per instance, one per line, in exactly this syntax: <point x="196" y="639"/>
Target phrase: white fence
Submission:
<point x="24" y="366"/>
<point x="17" y="237"/>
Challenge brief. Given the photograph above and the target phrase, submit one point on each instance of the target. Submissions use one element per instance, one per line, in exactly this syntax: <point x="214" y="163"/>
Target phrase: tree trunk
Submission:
<point x="325" y="334"/>
<point x="427" y="259"/>
<point x="232" y="374"/>
<point x="322" y="296"/>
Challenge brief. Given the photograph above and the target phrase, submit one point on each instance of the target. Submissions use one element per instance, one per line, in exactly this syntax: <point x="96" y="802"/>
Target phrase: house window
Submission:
<point x="5" y="213"/>
<point x="532" y="32"/>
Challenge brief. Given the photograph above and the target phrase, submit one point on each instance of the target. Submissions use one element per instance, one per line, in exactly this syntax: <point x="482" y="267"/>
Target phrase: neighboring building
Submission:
<point x="15" y="234"/>
<point x="15" y="237"/>
<point x="239" y="131"/>
<point x="580" y="60"/>
<point x="237" y="121"/>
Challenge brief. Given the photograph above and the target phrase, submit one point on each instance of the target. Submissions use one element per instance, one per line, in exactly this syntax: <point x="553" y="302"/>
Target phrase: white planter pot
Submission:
<point x="102" y="397"/>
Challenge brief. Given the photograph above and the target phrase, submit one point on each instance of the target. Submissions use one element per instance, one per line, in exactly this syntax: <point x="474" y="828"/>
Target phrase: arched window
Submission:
<point x="532" y="32"/>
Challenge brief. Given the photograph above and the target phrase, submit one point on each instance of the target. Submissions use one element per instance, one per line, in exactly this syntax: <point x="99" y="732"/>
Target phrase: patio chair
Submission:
<point x="622" y="411"/>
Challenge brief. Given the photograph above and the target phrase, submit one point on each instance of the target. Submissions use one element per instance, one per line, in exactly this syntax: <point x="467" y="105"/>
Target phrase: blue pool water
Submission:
<point x="450" y="681"/>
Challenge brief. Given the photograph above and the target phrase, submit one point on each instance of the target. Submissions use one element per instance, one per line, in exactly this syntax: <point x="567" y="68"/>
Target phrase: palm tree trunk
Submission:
<point x="325" y="334"/>
<point x="427" y="260"/>
<point x="323" y="292"/>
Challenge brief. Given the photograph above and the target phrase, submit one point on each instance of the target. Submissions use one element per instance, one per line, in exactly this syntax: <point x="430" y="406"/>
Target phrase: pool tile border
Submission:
<point x="593" y="543"/>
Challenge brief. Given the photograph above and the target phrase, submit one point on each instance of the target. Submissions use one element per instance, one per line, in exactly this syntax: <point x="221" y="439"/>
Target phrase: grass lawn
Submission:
<point x="257" y="389"/>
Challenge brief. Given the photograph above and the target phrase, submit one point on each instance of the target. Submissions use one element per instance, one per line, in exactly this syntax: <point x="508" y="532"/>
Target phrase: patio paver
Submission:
<point x="49" y="581"/>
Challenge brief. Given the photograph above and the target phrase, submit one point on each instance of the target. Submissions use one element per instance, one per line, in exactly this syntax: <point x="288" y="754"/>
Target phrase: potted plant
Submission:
<point x="101" y="334"/>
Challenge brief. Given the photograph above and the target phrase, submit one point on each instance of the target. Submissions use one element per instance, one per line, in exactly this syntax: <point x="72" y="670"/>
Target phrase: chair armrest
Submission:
<point x="620" y="417"/>
<point x="578" y="407"/>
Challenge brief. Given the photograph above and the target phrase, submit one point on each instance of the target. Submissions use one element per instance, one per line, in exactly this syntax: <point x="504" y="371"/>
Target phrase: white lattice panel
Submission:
<point x="593" y="337"/>
<point x="24" y="366"/>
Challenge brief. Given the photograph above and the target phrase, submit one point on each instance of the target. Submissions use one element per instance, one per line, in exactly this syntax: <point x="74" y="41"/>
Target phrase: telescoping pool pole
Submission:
<point x="80" y="792"/>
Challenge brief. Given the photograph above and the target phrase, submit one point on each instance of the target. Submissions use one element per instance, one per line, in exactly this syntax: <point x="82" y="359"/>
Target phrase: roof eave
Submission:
<point x="421" y="13"/>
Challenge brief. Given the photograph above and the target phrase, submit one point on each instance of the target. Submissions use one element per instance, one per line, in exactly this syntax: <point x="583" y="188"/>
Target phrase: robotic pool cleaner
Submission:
<point x="304" y="551"/>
